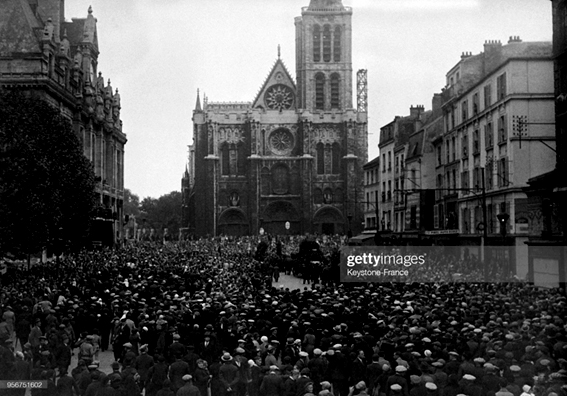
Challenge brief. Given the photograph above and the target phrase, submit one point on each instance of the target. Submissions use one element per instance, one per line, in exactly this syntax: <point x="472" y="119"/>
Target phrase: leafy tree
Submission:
<point x="161" y="213"/>
<point x="131" y="203"/>
<point x="47" y="185"/>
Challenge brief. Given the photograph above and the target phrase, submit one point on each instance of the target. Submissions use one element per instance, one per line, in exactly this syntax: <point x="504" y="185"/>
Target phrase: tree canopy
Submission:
<point x="161" y="213"/>
<point x="47" y="185"/>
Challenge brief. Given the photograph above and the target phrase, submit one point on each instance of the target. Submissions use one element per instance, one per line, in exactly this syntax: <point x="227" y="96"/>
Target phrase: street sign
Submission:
<point x="287" y="225"/>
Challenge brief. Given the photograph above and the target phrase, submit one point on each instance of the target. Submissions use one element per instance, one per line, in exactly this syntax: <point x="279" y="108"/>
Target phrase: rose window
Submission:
<point x="279" y="97"/>
<point x="281" y="142"/>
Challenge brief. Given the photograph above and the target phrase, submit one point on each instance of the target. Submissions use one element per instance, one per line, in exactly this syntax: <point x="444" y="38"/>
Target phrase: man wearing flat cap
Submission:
<point x="469" y="387"/>
<point x="398" y="378"/>
<point x="188" y="389"/>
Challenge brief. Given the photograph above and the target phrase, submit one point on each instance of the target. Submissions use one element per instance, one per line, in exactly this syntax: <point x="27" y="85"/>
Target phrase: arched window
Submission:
<point x="320" y="91"/>
<point x="225" y="160"/>
<point x="336" y="159"/>
<point x="280" y="179"/>
<point x="241" y="159"/>
<point x="337" y="44"/>
<point x="232" y="156"/>
<point x="320" y="159"/>
<point x="316" y="43"/>
<point x="335" y="91"/>
<point x="326" y="43"/>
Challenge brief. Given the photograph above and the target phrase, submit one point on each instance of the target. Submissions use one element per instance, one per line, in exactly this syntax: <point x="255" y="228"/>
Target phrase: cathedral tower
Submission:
<point x="324" y="56"/>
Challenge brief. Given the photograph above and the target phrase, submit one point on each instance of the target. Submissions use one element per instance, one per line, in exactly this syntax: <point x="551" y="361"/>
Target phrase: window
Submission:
<point x="241" y="159"/>
<point x="453" y="147"/>
<point x="452" y="118"/>
<point x="397" y="164"/>
<point x="402" y="163"/>
<point x="501" y="86"/>
<point x="383" y="191"/>
<point x="335" y="91"/>
<point x="465" y="146"/>
<point x="397" y="191"/>
<point x="502" y="172"/>
<point x="487" y="96"/>
<point x="320" y="91"/>
<point x="383" y="162"/>
<point x="476" y="142"/>
<point x="448" y="151"/>
<point x="465" y="180"/>
<point x="280" y="179"/>
<point x="489" y="175"/>
<point x="389" y="160"/>
<point x="337" y="44"/>
<point x="225" y="160"/>
<point x="502" y="131"/>
<point x="413" y="178"/>
<point x="389" y="190"/>
<point x="320" y="159"/>
<point x="465" y="109"/>
<point x="488" y="136"/>
<point x="475" y="104"/>
<point x="439" y="160"/>
<point x="316" y="43"/>
<point x="439" y="192"/>
<point x="326" y="43"/>
<point x="476" y="178"/>
<point x="466" y="220"/>
<point x="454" y="180"/>
<point x="335" y="159"/>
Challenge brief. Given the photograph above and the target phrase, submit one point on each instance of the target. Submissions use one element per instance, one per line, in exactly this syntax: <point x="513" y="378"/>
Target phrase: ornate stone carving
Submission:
<point x="279" y="97"/>
<point x="281" y="142"/>
<point x="230" y="135"/>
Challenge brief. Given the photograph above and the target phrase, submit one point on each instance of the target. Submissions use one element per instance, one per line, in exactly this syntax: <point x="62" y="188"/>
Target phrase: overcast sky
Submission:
<point x="159" y="52"/>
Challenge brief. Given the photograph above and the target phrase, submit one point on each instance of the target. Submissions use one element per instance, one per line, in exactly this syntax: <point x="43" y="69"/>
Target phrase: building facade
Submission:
<point x="290" y="161"/>
<point x="484" y="160"/>
<point x="371" y="194"/>
<point x="43" y="54"/>
<point x="393" y="150"/>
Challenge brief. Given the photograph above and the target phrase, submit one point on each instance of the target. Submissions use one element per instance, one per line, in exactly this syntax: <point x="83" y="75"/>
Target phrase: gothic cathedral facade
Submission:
<point x="290" y="161"/>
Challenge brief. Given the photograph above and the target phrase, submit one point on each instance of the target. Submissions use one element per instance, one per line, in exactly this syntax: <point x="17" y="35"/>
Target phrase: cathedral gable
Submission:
<point x="278" y="91"/>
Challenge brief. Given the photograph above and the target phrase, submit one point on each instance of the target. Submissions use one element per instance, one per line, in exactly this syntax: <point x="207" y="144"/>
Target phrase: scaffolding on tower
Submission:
<point x="361" y="91"/>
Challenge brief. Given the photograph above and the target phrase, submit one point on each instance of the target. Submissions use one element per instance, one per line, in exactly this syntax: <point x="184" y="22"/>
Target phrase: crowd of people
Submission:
<point x="201" y="318"/>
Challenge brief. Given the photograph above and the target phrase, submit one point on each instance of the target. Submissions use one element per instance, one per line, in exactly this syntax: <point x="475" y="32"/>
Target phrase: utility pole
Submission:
<point x="485" y="229"/>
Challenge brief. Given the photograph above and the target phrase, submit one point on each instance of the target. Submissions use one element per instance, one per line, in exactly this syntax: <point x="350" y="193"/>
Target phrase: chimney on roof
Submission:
<point x="514" y="39"/>
<point x="436" y="102"/>
<point x="492" y="55"/>
<point x="415" y="112"/>
<point x="465" y="55"/>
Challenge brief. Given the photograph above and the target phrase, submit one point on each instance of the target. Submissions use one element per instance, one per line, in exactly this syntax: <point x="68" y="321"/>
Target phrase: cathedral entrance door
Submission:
<point x="277" y="214"/>
<point x="328" y="228"/>
<point x="328" y="220"/>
